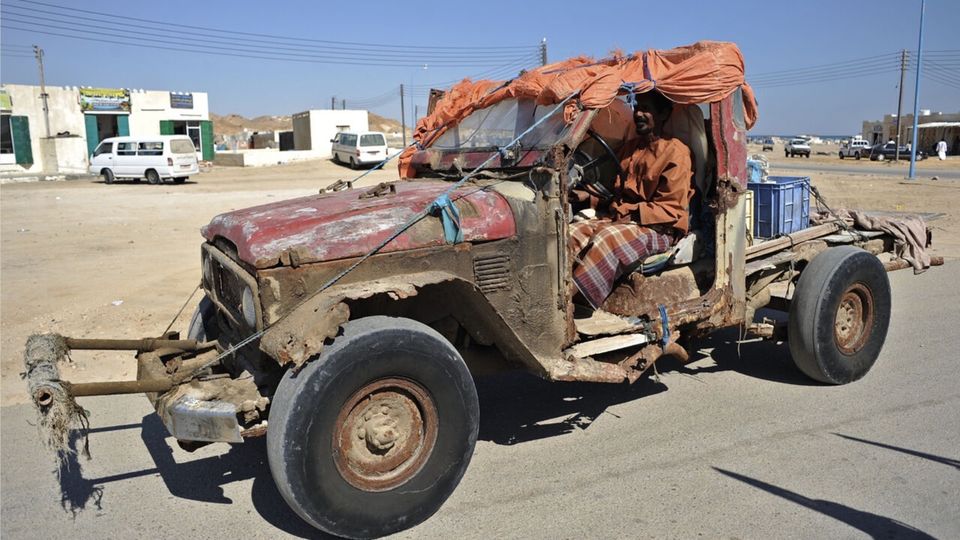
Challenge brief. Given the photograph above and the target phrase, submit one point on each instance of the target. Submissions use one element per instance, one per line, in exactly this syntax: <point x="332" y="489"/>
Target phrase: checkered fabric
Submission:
<point x="603" y="250"/>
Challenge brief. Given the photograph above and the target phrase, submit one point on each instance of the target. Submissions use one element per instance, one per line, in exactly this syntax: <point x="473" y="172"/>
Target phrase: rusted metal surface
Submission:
<point x="142" y="345"/>
<point x="341" y="225"/>
<point x="638" y="294"/>
<point x="119" y="387"/>
<point x="854" y="319"/>
<point x="384" y="433"/>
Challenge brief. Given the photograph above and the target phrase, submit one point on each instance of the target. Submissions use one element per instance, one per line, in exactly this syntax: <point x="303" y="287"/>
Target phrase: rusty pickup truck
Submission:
<point x="347" y="326"/>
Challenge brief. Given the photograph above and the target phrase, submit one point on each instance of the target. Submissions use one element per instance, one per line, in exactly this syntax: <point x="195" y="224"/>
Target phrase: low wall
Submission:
<point x="262" y="157"/>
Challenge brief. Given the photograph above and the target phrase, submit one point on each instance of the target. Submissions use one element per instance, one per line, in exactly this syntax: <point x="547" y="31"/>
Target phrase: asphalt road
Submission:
<point x="867" y="169"/>
<point x="734" y="445"/>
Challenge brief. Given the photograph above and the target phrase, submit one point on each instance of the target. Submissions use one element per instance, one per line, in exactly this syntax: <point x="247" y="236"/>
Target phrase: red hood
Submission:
<point x="342" y="225"/>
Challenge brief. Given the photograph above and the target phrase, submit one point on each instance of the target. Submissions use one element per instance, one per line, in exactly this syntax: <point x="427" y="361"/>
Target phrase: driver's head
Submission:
<point x="651" y="112"/>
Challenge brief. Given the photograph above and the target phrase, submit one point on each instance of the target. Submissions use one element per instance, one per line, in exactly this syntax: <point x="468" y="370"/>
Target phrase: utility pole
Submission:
<point x="38" y="53"/>
<point x="903" y="69"/>
<point x="916" y="95"/>
<point x="333" y="102"/>
<point x="416" y="114"/>
<point x="403" y="118"/>
<point x="343" y="104"/>
<point x="543" y="52"/>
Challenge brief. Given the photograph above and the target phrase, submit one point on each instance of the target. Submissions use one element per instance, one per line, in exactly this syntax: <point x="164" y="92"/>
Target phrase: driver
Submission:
<point x="649" y="209"/>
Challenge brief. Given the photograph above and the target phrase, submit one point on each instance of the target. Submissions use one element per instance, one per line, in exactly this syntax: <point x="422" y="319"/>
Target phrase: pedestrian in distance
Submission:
<point x="942" y="149"/>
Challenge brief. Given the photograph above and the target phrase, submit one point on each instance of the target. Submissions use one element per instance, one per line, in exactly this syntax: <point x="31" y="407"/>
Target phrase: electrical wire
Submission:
<point x="829" y="66"/>
<point x="320" y="58"/>
<point x="372" y="47"/>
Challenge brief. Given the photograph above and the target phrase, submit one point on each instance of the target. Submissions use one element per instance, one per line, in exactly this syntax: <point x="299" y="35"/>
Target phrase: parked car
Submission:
<point x="886" y="151"/>
<point x="156" y="158"/>
<point x="856" y="149"/>
<point x="767" y="145"/>
<point x="797" y="147"/>
<point x="358" y="149"/>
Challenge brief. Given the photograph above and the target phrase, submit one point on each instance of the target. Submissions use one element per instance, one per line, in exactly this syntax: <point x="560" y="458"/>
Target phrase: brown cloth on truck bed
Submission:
<point x="909" y="233"/>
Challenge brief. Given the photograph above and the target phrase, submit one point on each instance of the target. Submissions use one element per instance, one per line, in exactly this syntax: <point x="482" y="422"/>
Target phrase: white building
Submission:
<point x="79" y="118"/>
<point x="313" y="129"/>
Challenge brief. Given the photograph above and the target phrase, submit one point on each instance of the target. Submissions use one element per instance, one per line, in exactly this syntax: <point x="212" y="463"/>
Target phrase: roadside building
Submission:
<point x="80" y="117"/>
<point x="313" y="129"/>
<point x="932" y="127"/>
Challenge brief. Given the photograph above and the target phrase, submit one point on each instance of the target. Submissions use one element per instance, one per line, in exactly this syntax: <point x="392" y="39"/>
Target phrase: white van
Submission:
<point x="360" y="148"/>
<point x="156" y="158"/>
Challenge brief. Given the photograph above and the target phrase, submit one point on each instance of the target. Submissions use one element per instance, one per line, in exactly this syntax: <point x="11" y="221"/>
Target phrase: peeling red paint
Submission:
<point x="342" y="225"/>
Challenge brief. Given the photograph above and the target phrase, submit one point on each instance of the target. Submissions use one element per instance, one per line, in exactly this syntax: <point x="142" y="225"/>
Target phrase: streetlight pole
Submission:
<point x="916" y="95"/>
<point x="38" y="52"/>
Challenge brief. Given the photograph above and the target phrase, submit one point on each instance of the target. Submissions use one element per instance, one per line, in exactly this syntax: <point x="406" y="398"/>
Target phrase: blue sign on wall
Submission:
<point x="181" y="100"/>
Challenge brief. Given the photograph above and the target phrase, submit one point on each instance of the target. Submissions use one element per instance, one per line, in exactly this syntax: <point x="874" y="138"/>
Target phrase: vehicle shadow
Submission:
<point x="517" y="407"/>
<point x="135" y="182"/>
<point x="876" y="526"/>
<point x="199" y="480"/>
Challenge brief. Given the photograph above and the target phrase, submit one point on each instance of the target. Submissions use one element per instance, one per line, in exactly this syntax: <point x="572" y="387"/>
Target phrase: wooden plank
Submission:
<point x="601" y="322"/>
<point x="606" y="344"/>
<point x="769" y="263"/>
<point x="783" y="242"/>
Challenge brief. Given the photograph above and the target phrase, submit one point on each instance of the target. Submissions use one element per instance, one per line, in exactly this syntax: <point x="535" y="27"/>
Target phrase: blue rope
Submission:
<point x="665" y="322"/>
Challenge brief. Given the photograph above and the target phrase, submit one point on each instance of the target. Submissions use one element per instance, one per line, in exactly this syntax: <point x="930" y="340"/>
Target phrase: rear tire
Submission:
<point x="153" y="177"/>
<point x="839" y="315"/>
<point x="372" y="436"/>
<point x="107" y="176"/>
<point x="858" y="156"/>
<point x="353" y="163"/>
<point x="841" y="155"/>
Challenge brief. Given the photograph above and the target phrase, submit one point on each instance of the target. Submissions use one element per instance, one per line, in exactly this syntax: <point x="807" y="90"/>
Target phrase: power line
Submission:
<point x="358" y="45"/>
<point x="215" y="53"/>
<point x="828" y="78"/>
<point x="234" y="42"/>
<point x="319" y="58"/>
<point x="829" y="66"/>
<point x="866" y="65"/>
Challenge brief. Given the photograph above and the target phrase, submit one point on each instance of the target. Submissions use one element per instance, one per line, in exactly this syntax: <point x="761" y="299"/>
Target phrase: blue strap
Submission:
<point x="450" y="216"/>
<point x="665" y="321"/>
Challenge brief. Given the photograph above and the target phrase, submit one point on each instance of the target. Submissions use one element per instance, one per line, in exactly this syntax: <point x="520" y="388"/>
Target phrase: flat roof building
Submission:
<point x="80" y="117"/>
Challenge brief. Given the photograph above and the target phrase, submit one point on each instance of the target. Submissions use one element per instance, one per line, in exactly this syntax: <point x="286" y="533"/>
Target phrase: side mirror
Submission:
<point x="333" y="140"/>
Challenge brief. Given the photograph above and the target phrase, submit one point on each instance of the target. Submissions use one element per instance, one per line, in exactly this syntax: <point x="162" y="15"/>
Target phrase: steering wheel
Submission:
<point x="584" y="169"/>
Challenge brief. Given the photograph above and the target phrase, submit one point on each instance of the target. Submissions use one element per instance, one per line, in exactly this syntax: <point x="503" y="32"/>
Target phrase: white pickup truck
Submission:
<point x="855" y="149"/>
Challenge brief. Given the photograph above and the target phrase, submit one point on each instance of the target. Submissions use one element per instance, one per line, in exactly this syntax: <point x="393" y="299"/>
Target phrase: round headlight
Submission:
<point x="249" y="308"/>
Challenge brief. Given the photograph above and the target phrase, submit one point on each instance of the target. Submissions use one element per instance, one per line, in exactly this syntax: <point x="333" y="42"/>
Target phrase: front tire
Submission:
<point x="372" y="436"/>
<point x="839" y="315"/>
<point x="108" y="177"/>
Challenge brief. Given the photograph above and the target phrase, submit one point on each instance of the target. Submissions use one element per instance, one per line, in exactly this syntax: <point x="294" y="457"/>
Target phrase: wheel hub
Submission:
<point x="854" y="319"/>
<point x="384" y="433"/>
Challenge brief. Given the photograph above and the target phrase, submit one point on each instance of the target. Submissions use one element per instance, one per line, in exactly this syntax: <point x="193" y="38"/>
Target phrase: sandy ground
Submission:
<point x="87" y="259"/>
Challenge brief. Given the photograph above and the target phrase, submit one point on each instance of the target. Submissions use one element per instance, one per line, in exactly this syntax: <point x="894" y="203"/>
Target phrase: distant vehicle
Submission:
<point x="767" y="145"/>
<point x="886" y="151"/>
<point x="856" y="149"/>
<point x="357" y="149"/>
<point x="796" y="147"/>
<point x="156" y="158"/>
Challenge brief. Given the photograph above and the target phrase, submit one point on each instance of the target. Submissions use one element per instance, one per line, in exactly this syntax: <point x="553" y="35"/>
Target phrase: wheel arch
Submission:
<point x="423" y="297"/>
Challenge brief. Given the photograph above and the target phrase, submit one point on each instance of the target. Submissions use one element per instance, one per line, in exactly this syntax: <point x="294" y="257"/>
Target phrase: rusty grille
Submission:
<point x="492" y="273"/>
<point x="224" y="281"/>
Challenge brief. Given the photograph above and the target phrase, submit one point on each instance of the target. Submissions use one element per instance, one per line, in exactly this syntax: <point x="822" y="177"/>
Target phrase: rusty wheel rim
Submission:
<point x="384" y="434"/>
<point x="854" y="319"/>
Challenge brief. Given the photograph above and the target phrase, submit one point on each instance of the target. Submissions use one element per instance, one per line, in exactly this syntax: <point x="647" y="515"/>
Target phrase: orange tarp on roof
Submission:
<point x="704" y="72"/>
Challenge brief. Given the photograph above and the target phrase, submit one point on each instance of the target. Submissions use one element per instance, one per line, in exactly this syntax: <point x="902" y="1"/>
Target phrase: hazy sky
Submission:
<point x="774" y="36"/>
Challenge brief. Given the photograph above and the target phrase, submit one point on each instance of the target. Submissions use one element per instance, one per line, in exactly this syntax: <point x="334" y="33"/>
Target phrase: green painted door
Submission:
<point x="20" y="133"/>
<point x="206" y="140"/>
<point x="166" y="127"/>
<point x="93" y="137"/>
<point x="123" y="125"/>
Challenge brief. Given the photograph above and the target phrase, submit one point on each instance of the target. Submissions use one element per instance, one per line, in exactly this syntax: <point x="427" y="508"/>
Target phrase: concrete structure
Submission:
<point x="932" y="127"/>
<point x="313" y="129"/>
<point x="82" y="117"/>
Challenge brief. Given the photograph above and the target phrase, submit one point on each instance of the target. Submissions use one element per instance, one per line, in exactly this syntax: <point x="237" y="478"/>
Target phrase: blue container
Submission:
<point x="780" y="206"/>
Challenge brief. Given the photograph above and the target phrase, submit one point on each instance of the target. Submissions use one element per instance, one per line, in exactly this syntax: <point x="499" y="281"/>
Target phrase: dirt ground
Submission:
<point x="87" y="259"/>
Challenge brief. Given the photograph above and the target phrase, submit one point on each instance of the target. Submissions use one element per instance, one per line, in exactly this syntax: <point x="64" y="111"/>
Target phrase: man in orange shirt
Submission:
<point x="649" y="209"/>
